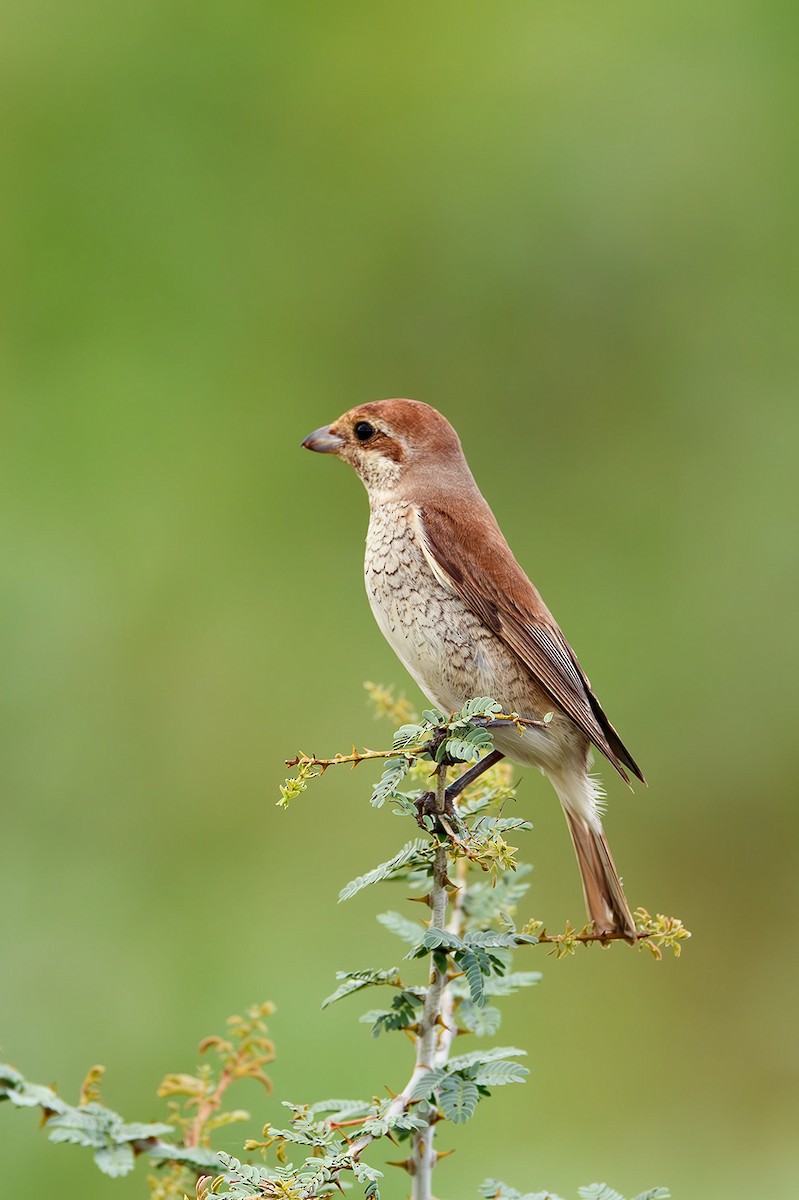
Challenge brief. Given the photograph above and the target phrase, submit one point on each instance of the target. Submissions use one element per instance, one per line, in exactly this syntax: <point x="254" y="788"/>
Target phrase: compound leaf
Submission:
<point x="410" y="853"/>
<point x="496" y="1074"/>
<point x="115" y="1160"/>
<point x="458" y="1098"/>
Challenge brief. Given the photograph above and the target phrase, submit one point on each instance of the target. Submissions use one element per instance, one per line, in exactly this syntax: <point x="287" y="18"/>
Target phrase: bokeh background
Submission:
<point x="572" y="227"/>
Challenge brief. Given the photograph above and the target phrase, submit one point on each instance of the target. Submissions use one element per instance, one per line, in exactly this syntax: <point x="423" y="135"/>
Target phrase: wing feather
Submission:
<point x="493" y="585"/>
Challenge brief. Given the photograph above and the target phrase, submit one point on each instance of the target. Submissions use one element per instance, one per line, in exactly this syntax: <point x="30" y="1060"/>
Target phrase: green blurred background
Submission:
<point x="572" y="227"/>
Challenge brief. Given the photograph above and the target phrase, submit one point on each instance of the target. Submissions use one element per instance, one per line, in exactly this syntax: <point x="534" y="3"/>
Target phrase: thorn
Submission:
<point x="406" y="1165"/>
<point x="443" y="1154"/>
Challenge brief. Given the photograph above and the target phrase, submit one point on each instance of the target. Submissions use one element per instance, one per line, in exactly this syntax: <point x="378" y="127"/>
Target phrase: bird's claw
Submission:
<point x="427" y="806"/>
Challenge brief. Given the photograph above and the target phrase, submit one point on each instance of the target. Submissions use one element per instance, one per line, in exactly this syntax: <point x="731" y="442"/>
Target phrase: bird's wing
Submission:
<point x="477" y="564"/>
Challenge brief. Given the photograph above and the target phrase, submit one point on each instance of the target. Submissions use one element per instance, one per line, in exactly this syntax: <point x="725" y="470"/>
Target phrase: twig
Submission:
<point x="616" y="936"/>
<point x="358" y="756"/>
<point x="656" y="933"/>
<point x="208" y="1106"/>
<point x="354" y="758"/>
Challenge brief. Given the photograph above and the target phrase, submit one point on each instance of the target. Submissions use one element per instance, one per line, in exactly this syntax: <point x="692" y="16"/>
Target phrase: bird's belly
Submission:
<point x="447" y="649"/>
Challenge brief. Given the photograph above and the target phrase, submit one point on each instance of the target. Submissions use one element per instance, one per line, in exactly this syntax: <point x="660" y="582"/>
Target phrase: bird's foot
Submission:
<point x="427" y="808"/>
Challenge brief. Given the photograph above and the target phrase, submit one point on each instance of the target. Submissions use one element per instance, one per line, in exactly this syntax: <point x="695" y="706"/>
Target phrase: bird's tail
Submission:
<point x="604" y="896"/>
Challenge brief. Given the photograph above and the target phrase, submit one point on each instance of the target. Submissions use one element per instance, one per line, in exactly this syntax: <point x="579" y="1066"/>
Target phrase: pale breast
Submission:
<point x="442" y="644"/>
<point x="410" y="606"/>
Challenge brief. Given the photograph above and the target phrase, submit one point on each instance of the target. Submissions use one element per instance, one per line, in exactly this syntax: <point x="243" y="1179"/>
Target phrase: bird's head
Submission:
<point x="389" y="441"/>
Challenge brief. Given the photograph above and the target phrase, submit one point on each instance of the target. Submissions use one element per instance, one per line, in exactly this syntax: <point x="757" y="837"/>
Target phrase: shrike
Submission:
<point x="465" y="620"/>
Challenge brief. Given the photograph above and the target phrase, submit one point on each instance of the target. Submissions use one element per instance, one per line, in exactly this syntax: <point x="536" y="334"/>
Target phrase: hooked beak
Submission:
<point x="324" y="441"/>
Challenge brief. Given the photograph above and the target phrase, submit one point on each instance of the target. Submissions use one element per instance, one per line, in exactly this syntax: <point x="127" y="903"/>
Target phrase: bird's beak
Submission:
<point x="324" y="441"/>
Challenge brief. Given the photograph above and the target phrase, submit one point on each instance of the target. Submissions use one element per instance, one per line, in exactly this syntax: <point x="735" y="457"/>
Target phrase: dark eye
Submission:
<point x="363" y="431"/>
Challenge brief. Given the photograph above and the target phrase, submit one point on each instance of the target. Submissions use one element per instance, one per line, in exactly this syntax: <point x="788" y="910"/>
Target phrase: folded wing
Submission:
<point x="493" y="585"/>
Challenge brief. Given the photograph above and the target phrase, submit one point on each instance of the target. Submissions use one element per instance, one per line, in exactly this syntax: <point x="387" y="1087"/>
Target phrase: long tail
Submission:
<point x="604" y="896"/>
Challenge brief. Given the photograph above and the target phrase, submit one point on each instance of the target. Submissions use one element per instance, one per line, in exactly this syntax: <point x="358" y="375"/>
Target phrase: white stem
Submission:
<point x="435" y="1032"/>
<point x="436" y="1027"/>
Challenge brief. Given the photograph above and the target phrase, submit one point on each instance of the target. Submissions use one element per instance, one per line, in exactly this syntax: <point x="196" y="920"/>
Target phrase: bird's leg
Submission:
<point x="426" y="804"/>
<point x="468" y="777"/>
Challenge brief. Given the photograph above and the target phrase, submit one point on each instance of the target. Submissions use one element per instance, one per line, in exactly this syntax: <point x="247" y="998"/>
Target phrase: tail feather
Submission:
<point x="604" y="896"/>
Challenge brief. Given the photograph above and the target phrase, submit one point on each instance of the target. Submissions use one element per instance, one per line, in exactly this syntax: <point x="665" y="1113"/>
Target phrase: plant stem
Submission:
<point x="430" y="1051"/>
<point x="208" y="1107"/>
<point x="436" y="1028"/>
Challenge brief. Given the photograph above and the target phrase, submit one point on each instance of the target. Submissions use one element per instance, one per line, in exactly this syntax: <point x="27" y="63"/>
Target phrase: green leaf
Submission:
<point x="407" y="735"/>
<point x="411" y="853"/>
<point x="659" y="1193"/>
<point x="115" y="1160"/>
<point x="402" y="1015"/>
<point x="496" y="1074"/>
<point x="410" y="931"/>
<point x="467" y="746"/>
<point x="400" y="1122"/>
<point x="470" y="964"/>
<point x="394" y="772"/>
<point x="490" y="938"/>
<point x="363" y="1172"/>
<point x="459" y="749"/>
<point x="138" y="1131"/>
<point x="436" y="939"/>
<point x="482" y="706"/>
<point x="458" y="1098"/>
<point x="479" y="1058"/>
<point x="354" y="981"/>
<point x="481" y="1021"/>
<point x="344" y="1110"/>
<point x="486" y="826"/>
<point x="506" y="985"/>
<point x="483" y="903"/>
<point x="368" y="1175"/>
<point x="247" y="1174"/>
<point x="193" y="1156"/>
<point x="29" y="1095"/>
<point x="427" y="1084"/>
<point x="492" y="1189"/>
<point x="10" y="1075"/>
<point x="598" y="1191"/>
<point x="90" y="1125"/>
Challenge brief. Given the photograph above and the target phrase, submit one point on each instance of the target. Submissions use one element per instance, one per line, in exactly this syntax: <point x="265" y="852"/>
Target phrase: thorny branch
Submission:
<point x="355" y="757"/>
<point x="431" y="1051"/>
<point x="656" y="933"/>
<point x="430" y="1013"/>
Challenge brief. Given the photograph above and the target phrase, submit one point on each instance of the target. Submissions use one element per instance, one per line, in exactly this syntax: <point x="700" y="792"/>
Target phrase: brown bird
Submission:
<point x="465" y="620"/>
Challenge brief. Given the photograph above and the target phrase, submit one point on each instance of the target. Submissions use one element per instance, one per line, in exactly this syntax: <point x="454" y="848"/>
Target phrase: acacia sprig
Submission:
<point x="460" y="865"/>
<point x="655" y="933"/>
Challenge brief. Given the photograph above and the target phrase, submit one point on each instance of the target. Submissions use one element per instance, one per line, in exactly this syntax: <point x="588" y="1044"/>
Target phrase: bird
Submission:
<point x="464" y="619"/>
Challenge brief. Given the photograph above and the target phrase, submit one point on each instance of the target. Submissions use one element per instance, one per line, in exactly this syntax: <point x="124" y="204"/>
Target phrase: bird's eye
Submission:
<point x="363" y="431"/>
